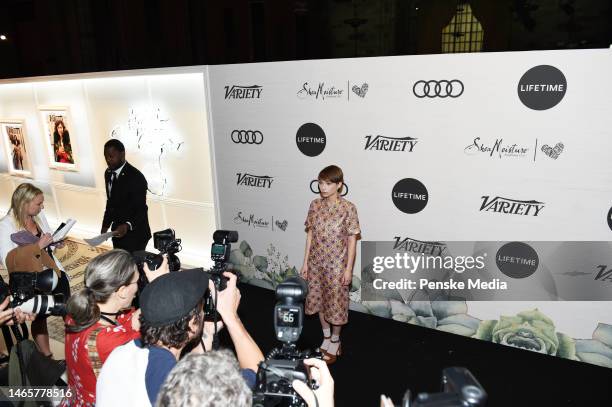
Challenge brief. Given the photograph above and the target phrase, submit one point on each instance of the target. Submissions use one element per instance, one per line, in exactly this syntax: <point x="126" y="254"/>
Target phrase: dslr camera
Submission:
<point x="31" y="292"/>
<point x="459" y="388"/>
<point x="219" y="254"/>
<point x="285" y="364"/>
<point x="165" y="242"/>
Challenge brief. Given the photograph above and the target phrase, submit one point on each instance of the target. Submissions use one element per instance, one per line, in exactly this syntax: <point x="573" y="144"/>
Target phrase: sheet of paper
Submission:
<point x="98" y="240"/>
<point x="61" y="234"/>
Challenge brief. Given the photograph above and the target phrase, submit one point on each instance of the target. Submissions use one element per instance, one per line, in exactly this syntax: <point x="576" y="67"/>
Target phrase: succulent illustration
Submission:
<point x="597" y="350"/>
<point x="530" y="330"/>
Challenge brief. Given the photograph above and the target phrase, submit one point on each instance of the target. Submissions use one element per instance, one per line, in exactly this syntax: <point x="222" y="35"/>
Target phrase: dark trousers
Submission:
<point x="130" y="244"/>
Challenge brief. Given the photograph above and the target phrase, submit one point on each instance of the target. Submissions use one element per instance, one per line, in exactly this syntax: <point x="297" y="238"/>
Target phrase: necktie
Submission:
<point x="111" y="182"/>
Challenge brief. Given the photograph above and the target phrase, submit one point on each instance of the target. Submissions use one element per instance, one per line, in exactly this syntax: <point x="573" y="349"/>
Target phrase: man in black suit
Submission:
<point x="126" y="200"/>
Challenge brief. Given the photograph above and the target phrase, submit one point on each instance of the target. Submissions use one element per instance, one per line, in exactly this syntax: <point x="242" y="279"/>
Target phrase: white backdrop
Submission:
<point x="558" y="156"/>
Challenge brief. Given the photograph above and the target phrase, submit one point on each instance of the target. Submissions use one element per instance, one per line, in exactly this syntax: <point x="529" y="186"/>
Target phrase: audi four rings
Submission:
<point x="317" y="191"/>
<point x="442" y="89"/>
<point x="247" y="136"/>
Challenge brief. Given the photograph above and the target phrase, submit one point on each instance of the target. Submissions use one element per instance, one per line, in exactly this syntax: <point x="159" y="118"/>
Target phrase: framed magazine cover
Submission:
<point x="16" y="146"/>
<point x="60" y="141"/>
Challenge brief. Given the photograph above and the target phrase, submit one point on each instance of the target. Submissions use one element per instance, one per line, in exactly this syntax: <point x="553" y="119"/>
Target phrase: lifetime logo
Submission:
<point x="247" y="137"/>
<point x="243" y="92"/>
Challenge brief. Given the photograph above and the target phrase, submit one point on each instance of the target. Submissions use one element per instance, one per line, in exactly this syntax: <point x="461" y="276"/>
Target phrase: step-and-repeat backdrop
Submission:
<point x="490" y="149"/>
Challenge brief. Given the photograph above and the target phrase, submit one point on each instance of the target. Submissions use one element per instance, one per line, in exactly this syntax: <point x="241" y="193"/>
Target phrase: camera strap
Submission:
<point x="107" y="319"/>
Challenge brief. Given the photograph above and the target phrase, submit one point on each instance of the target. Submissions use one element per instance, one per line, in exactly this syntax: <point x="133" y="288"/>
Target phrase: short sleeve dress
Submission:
<point x="81" y="376"/>
<point x="331" y="224"/>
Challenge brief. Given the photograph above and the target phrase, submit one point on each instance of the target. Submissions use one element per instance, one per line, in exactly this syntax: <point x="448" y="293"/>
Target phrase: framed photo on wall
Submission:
<point x="16" y="146"/>
<point x="60" y="141"/>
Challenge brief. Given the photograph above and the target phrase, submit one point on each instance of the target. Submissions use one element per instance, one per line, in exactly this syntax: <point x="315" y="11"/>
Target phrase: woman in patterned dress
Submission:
<point x="332" y="228"/>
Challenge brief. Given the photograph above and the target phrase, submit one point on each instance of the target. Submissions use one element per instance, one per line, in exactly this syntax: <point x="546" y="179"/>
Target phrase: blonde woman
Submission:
<point x="26" y="213"/>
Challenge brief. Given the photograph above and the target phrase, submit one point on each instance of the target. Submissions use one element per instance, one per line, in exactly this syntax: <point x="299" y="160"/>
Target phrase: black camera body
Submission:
<point x="165" y="242"/>
<point x="31" y="292"/>
<point x="459" y="388"/>
<point x="219" y="254"/>
<point x="285" y="364"/>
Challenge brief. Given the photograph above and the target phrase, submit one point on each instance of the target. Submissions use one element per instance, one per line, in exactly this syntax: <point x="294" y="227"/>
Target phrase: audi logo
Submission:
<point x="442" y="89"/>
<point x="247" y="137"/>
<point x="317" y="191"/>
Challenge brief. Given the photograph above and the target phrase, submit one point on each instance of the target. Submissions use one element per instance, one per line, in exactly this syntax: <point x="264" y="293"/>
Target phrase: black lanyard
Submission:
<point x="107" y="319"/>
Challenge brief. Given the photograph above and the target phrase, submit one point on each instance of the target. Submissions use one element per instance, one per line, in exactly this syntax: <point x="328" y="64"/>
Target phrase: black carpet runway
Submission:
<point x="386" y="356"/>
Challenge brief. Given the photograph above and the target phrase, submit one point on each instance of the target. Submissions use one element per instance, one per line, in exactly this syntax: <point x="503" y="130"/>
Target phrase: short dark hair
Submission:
<point x="331" y="173"/>
<point x="116" y="144"/>
<point x="173" y="335"/>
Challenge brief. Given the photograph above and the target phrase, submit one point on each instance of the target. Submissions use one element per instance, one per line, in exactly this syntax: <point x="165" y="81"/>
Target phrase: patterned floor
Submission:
<point x="74" y="256"/>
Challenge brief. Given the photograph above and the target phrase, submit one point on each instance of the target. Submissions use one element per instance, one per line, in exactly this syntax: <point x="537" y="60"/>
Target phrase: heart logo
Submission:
<point x="360" y="91"/>
<point x="553" y="152"/>
<point x="281" y="225"/>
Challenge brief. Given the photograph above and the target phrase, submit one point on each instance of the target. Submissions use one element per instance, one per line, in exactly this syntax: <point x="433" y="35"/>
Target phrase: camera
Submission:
<point x="31" y="292"/>
<point x="219" y="254"/>
<point x="285" y="364"/>
<point x="459" y="388"/>
<point x="165" y="242"/>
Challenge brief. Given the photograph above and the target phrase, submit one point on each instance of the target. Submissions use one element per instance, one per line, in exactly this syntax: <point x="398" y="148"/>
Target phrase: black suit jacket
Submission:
<point x="127" y="202"/>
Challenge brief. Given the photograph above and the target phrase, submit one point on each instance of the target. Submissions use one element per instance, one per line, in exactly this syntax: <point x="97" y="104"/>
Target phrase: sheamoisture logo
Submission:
<point x="511" y="206"/>
<point x="320" y="91"/>
<point x="496" y="149"/>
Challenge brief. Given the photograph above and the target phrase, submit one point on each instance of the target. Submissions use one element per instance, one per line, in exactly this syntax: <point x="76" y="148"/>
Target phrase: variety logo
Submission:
<point x="247" y="137"/>
<point x="243" y="92"/>
<point x="257" y="181"/>
<point x="553" y="152"/>
<point x="517" y="260"/>
<point x="409" y="195"/>
<point x="383" y="143"/>
<point x="258" y="222"/>
<point x="511" y="206"/>
<point x="496" y="149"/>
<point x="417" y="246"/>
<point x="442" y="89"/>
<point x="311" y="139"/>
<point x="542" y="87"/>
<point x="320" y="91"/>
<point x="314" y="188"/>
<point x="360" y="90"/>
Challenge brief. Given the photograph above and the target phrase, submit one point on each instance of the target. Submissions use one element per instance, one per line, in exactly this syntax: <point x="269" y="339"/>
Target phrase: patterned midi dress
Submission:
<point x="331" y="224"/>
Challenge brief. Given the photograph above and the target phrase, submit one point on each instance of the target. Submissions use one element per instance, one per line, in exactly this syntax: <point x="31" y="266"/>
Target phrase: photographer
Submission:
<point x="173" y="318"/>
<point x="100" y="319"/>
<point x="212" y="379"/>
<point x="207" y="380"/>
<point x="324" y="395"/>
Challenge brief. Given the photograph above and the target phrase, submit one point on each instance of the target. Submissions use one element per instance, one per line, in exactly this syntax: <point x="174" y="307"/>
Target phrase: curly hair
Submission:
<point x="210" y="380"/>
<point x="174" y="335"/>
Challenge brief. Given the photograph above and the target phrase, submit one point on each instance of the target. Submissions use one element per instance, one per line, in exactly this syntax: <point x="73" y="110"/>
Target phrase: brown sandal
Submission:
<point x="330" y="358"/>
